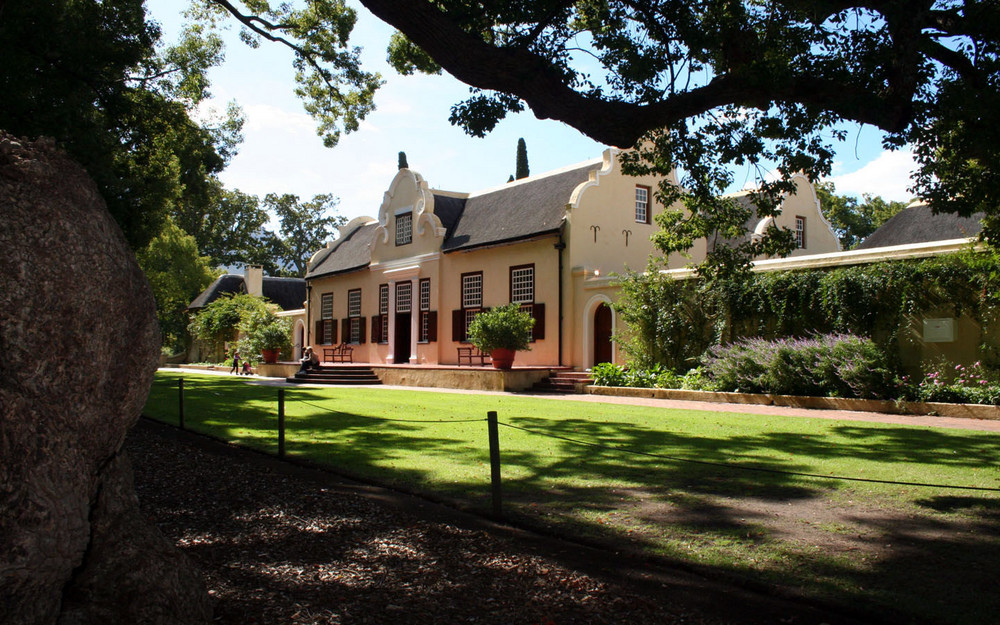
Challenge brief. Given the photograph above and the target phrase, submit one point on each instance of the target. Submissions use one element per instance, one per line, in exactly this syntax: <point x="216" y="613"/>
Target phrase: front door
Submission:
<point x="401" y="347"/>
<point x="602" y="334"/>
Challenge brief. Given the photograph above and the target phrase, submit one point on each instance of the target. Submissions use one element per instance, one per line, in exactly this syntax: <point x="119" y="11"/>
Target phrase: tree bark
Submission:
<point x="78" y="348"/>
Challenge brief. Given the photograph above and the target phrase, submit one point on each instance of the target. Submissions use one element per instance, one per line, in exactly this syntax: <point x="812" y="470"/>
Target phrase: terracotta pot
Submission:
<point x="270" y="355"/>
<point x="502" y="358"/>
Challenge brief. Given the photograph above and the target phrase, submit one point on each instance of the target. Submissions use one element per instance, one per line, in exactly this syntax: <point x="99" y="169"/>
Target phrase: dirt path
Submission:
<point x="280" y="543"/>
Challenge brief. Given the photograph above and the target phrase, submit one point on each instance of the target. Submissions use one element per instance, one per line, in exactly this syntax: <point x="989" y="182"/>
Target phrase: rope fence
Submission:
<point x="494" y="424"/>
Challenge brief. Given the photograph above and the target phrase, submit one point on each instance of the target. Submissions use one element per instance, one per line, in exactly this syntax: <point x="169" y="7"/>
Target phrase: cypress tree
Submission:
<point x="522" y="160"/>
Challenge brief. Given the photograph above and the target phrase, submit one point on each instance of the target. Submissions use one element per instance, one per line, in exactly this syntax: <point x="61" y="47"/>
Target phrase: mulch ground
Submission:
<point x="283" y="544"/>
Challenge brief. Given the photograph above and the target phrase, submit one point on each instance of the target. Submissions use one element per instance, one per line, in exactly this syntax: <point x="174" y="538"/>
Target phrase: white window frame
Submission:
<point x="404" y="297"/>
<point x="642" y="194"/>
<point x="404" y="228"/>
<point x="800" y="232"/>
<point x="522" y="284"/>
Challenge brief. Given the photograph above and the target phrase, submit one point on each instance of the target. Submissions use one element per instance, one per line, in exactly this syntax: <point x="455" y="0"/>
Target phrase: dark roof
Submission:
<point x="515" y="212"/>
<point x="347" y="254"/>
<point x="287" y="293"/>
<point x="223" y="285"/>
<point x="919" y="224"/>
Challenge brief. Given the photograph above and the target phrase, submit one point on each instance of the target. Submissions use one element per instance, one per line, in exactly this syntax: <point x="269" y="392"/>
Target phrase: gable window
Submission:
<point x="641" y="204"/>
<point x="326" y="329"/>
<point x="404" y="228"/>
<point x="354" y="316"/>
<point x="800" y="232"/>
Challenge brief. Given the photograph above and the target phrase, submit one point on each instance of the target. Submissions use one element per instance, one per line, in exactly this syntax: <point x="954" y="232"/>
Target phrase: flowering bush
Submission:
<point x="959" y="385"/>
<point x="837" y="365"/>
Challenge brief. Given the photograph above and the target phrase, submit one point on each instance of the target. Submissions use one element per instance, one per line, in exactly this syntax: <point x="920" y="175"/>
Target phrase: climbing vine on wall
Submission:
<point x="672" y="322"/>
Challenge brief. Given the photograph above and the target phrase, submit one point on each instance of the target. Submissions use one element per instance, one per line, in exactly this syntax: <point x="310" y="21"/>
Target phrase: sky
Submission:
<point x="281" y="152"/>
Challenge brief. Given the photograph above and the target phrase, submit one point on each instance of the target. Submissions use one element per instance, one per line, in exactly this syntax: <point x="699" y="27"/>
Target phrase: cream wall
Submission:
<point x="495" y="263"/>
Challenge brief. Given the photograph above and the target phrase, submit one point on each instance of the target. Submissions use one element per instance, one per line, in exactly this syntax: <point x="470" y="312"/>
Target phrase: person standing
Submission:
<point x="236" y="363"/>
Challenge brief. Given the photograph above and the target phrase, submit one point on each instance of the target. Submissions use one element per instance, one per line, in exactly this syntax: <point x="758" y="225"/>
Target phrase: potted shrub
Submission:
<point x="500" y="332"/>
<point x="268" y="336"/>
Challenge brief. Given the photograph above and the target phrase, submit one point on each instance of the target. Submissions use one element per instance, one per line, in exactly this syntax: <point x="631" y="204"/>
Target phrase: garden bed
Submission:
<point x="968" y="411"/>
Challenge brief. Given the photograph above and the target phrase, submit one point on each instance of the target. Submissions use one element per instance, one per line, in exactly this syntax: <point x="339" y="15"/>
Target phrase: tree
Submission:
<point x="854" y="220"/>
<point x="706" y="86"/>
<point x="222" y="320"/>
<point x="176" y="274"/>
<point x="305" y="227"/>
<point x="95" y="83"/>
<point x="522" y="170"/>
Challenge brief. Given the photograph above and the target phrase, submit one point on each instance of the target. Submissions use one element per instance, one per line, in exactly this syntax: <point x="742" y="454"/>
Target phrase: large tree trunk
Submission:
<point x="78" y="348"/>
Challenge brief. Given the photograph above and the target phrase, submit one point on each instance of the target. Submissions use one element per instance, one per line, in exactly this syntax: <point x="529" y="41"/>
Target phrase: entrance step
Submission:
<point x="337" y="374"/>
<point x="564" y="382"/>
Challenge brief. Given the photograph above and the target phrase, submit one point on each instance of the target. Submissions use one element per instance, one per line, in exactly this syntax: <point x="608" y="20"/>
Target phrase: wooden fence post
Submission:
<point x="281" y="423"/>
<point x="491" y="420"/>
<point x="180" y="403"/>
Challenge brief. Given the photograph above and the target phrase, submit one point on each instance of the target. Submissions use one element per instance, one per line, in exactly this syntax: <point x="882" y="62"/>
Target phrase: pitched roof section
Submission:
<point x="287" y="293"/>
<point x="521" y="210"/>
<point x="919" y="224"/>
<point x="348" y="253"/>
<point x="225" y="284"/>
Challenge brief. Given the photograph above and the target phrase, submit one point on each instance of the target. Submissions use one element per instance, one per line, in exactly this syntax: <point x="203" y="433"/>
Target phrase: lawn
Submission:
<point x="757" y="498"/>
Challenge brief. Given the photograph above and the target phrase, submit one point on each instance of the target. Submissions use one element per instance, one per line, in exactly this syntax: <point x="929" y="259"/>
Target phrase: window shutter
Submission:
<point x="333" y="331"/>
<point x="457" y="325"/>
<point x="538" y="312"/>
<point x="318" y="339"/>
<point x="376" y="328"/>
<point x="361" y="330"/>
<point x="432" y="326"/>
<point x="345" y="329"/>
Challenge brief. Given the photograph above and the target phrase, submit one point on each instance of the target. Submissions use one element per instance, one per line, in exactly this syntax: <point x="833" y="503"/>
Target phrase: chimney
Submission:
<point x="253" y="275"/>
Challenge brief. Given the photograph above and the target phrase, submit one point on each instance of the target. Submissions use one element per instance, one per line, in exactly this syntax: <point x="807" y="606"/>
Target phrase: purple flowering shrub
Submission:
<point x="837" y="365"/>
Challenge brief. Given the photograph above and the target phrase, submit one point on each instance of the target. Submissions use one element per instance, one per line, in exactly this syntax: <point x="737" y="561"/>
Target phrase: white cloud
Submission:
<point x="266" y="117"/>
<point x="887" y="175"/>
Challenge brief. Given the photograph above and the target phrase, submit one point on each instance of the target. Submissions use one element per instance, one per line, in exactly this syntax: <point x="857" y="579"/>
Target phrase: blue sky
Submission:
<point x="281" y="152"/>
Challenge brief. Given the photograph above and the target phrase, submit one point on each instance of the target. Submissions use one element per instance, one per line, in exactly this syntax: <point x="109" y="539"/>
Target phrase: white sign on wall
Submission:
<point x="939" y="330"/>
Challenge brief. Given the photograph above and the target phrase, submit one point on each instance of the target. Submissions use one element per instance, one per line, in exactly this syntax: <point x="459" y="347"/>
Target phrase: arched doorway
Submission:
<point x="603" y="320"/>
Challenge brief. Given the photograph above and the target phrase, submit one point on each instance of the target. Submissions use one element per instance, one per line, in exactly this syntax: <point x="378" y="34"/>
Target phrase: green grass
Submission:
<point x="929" y="553"/>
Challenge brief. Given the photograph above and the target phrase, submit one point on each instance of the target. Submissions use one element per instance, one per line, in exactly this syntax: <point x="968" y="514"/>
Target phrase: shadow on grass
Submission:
<point x="930" y="559"/>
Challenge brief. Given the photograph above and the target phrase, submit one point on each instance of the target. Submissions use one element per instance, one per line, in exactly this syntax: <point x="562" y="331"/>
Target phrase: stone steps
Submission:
<point x="337" y="374"/>
<point x="564" y="382"/>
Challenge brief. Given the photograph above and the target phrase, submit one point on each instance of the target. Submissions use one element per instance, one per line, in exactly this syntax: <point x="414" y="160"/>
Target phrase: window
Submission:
<point x="404" y="228"/>
<point x="472" y="290"/>
<point x="800" y="232"/>
<point x="641" y="205"/>
<point x="522" y="284"/>
<point x="354" y="315"/>
<point x="404" y="296"/>
<point x="326" y="306"/>
<point x="325" y="326"/>
<point x="425" y="308"/>
<point x="472" y="303"/>
<point x="383" y="313"/>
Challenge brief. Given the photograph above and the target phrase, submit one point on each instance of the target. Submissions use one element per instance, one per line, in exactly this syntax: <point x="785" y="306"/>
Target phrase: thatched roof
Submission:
<point x="287" y="293"/>
<point x="348" y="253"/>
<point x="919" y="224"/>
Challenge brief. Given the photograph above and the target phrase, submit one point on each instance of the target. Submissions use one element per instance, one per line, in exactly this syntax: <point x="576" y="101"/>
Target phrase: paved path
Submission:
<point x="748" y="409"/>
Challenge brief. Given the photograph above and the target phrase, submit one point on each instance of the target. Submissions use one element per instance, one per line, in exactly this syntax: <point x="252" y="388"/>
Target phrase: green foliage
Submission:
<point x="608" y="374"/>
<point x="505" y="327"/>
<point x="88" y="74"/>
<point x="521" y="169"/>
<point x="672" y="322"/>
<point x="222" y="320"/>
<point x="851" y="219"/>
<point x="957" y="384"/>
<point x="262" y="329"/>
<point x="305" y="228"/>
<point x="176" y="274"/>
<point x="829" y="365"/>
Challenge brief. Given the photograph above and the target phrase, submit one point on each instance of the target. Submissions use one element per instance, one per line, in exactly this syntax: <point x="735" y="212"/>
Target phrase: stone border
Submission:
<point x="961" y="411"/>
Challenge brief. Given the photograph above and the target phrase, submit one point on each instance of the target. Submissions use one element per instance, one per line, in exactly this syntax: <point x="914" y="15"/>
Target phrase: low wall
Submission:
<point x="473" y="378"/>
<point x="962" y="411"/>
